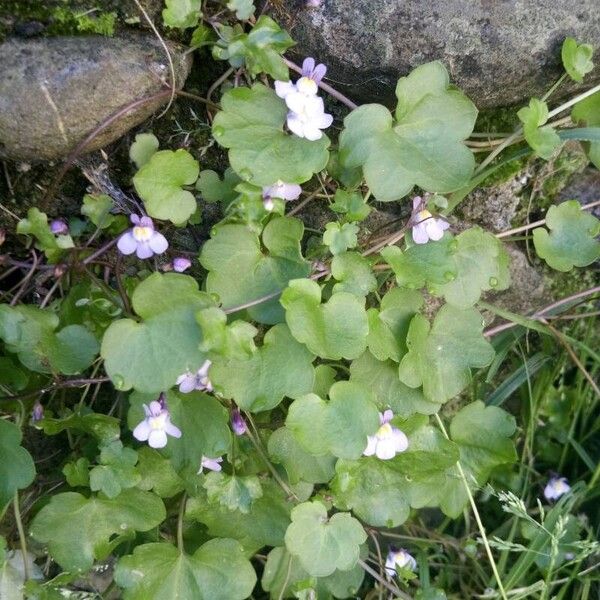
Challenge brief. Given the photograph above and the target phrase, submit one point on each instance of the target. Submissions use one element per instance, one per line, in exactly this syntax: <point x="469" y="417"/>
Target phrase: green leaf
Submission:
<point x="213" y="189"/>
<point x="440" y="357"/>
<point x="78" y="529"/>
<point x="340" y="426"/>
<point x="104" y="428"/>
<point x="235" y="340"/>
<point x="244" y="9"/>
<point x="350" y="204"/>
<point x="143" y="148"/>
<point x="577" y="59"/>
<point x="264" y="525"/>
<point x="388" y="326"/>
<point x="299" y="464"/>
<point x="36" y="224"/>
<point x="203" y="422"/>
<point x="97" y="207"/>
<point x="381" y="377"/>
<point x="571" y="239"/>
<point x="240" y="272"/>
<point x="77" y="473"/>
<point x="157" y="474"/>
<point x="423" y="147"/>
<point x="340" y="237"/>
<point x="17" y="470"/>
<point x="11" y="375"/>
<point x="218" y="570"/>
<point x="160" y="185"/>
<point x="353" y="273"/>
<point x="30" y="333"/>
<point x="284" y="577"/>
<point x="482" y="435"/>
<point x="543" y="140"/>
<point x="374" y="490"/>
<point x="250" y="124"/>
<point x="232" y="491"/>
<point x="259" y="51"/>
<point x="282" y="367"/>
<point x="324" y="378"/>
<point x="116" y="471"/>
<point x="334" y="330"/>
<point x="588" y="112"/>
<point x="181" y="13"/>
<point x="151" y="354"/>
<point x="459" y="268"/>
<point x="321" y="544"/>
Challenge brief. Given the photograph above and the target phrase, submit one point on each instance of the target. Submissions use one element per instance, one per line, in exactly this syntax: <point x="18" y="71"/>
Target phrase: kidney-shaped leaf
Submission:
<point x="16" y="465"/>
<point x="218" y="570"/>
<point x="250" y="124"/>
<point x="151" y="354"/>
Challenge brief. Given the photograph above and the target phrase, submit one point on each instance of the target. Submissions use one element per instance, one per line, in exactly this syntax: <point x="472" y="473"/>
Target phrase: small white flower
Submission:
<point x="387" y="441"/>
<point x="142" y="239"/>
<point x="426" y="227"/>
<point x="307" y="114"/>
<point x="399" y="559"/>
<point x="156" y="426"/>
<point x="556" y="487"/>
<point x="212" y="464"/>
<point x="188" y="381"/>
<point x="283" y="191"/>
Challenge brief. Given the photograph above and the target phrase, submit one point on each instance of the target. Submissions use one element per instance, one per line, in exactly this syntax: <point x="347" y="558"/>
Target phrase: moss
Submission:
<point x="497" y="120"/>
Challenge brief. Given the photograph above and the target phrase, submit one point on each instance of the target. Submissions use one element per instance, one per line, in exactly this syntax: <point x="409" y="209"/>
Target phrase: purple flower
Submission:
<point x="37" y="413"/>
<point x="556" y="487"/>
<point x="237" y="422"/>
<point x="426" y="227"/>
<point x="156" y="426"/>
<point x="387" y="441"/>
<point x="212" y="464"/>
<point x="181" y="264"/>
<point x="142" y="239"/>
<point x="188" y="381"/>
<point x="399" y="559"/>
<point x="283" y="191"/>
<point x="307" y="114"/>
<point x="59" y="227"/>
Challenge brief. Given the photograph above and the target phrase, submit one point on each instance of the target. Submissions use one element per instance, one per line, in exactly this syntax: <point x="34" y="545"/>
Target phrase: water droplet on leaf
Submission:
<point x="118" y="381"/>
<point x="218" y="131"/>
<point x="493" y="282"/>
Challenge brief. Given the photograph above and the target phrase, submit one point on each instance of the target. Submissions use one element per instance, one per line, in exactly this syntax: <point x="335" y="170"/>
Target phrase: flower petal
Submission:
<point x="146" y="222"/>
<point x="283" y="88"/>
<point x="295" y="125"/>
<point x="134" y="219"/>
<point x="127" y="244"/>
<point x="142" y="431"/>
<point x="172" y="430"/>
<point x="386" y="417"/>
<point x="419" y="234"/>
<point x="308" y="66"/>
<point x="386" y="448"/>
<point x="417" y="200"/>
<point x="319" y="72"/>
<point x="400" y="440"/>
<point x="186" y="383"/>
<point x="158" y="243"/>
<point x="143" y="250"/>
<point x="157" y="439"/>
<point x="296" y="102"/>
<point x="371" y="446"/>
<point x="312" y="132"/>
<point x="434" y="229"/>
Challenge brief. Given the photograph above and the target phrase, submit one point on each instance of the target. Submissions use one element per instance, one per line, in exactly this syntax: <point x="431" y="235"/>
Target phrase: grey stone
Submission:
<point x="500" y="52"/>
<point x="55" y="91"/>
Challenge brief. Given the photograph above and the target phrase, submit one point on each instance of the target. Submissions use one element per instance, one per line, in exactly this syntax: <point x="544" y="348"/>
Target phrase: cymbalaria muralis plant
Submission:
<point x="297" y="411"/>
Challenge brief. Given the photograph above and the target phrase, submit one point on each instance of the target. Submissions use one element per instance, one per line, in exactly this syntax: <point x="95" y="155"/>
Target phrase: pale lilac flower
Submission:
<point x="212" y="464"/>
<point x="37" y="413"/>
<point x="387" y="441"/>
<point x="188" y="381"/>
<point x="181" y="264"/>
<point x="156" y="425"/>
<point x="426" y="227"/>
<point x="142" y="239"/>
<point x="399" y="559"/>
<point x="59" y="227"/>
<point x="307" y="114"/>
<point x="556" y="487"/>
<point x="283" y="191"/>
<point x="237" y="422"/>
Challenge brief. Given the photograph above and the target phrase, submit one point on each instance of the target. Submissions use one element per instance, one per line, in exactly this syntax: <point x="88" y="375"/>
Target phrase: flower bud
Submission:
<point x="238" y="424"/>
<point x="59" y="227"/>
<point x="181" y="264"/>
<point x="37" y="413"/>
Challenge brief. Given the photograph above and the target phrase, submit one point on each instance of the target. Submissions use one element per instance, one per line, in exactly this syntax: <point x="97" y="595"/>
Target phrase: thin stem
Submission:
<point x="180" y="522"/>
<point x="58" y="385"/>
<point x="325" y="87"/>
<point x="392" y="588"/>
<point x="477" y="516"/>
<point x="529" y="226"/>
<point x="100" y="251"/>
<point x="25" y="280"/>
<point x="21" y="530"/>
<point x="574" y="101"/>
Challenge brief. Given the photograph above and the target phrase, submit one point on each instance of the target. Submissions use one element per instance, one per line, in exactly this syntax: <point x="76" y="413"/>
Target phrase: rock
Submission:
<point x="55" y="91"/>
<point x="500" y="52"/>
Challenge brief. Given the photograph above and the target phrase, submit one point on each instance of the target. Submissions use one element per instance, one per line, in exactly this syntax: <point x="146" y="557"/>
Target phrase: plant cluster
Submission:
<point x="276" y="406"/>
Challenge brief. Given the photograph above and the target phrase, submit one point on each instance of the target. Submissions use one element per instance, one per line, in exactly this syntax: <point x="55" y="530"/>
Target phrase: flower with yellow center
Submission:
<point x="387" y="441"/>
<point x="142" y="239"/>
<point x="156" y="425"/>
<point x="426" y="227"/>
